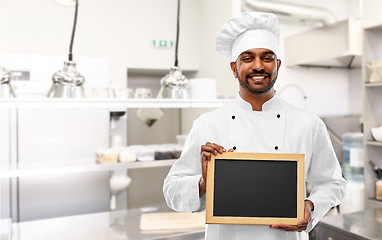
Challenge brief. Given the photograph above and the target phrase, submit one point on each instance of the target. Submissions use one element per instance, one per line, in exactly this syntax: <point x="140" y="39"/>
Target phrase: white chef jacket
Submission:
<point x="279" y="128"/>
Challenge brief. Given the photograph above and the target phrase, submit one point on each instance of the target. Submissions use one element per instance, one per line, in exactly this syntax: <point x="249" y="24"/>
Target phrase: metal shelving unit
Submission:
<point x="89" y="165"/>
<point x="39" y="169"/>
<point x="41" y="103"/>
<point x="372" y="115"/>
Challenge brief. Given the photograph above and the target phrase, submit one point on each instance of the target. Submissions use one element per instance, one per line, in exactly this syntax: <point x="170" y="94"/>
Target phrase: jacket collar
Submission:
<point x="273" y="104"/>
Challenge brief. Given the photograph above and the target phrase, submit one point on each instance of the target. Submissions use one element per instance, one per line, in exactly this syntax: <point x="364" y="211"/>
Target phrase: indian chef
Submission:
<point x="258" y="121"/>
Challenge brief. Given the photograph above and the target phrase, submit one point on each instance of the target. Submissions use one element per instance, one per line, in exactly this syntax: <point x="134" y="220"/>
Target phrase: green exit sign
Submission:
<point x="163" y="43"/>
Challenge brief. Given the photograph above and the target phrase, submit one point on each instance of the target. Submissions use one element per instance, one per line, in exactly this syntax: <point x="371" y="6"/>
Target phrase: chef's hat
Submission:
<point x="246" y="31"/>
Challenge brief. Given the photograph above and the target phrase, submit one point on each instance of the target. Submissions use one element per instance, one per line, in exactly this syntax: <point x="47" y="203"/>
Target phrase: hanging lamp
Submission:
<point x="67" y="82"/>
<point x="6" y="89"/>
<point x="174" y="84"/>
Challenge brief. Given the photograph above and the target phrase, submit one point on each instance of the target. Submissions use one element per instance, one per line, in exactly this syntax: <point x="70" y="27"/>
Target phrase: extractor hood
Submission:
<point x="336" y="45"/>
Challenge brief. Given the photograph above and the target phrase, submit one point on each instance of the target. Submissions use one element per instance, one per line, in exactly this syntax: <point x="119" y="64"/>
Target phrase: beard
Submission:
<point x="245" y="84"/>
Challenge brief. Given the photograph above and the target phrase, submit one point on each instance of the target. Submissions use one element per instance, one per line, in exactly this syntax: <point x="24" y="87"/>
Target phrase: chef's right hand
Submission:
<point x="207" y="150"/>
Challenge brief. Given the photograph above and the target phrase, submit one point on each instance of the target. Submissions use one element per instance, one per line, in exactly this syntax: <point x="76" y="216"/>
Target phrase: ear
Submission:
<point x="278" y="64"/>
<point x="233" y="68"/>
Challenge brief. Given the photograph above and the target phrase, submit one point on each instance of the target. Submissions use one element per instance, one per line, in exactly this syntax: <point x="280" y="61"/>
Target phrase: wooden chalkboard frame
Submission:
<point x="211" y="219"/>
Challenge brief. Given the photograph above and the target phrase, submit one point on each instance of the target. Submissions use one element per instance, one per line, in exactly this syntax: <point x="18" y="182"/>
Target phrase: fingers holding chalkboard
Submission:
<point x="207" y="150"/>
<point x="302" y="225"/>
<point x="211" y="148"/>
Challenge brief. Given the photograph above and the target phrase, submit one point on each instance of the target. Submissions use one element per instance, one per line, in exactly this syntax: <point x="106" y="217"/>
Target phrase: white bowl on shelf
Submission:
<point x="376" y="132"/>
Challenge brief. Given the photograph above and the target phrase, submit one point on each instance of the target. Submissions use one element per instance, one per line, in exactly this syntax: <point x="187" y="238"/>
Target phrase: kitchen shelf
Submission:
<point x="370" y="26"/>
<point x="374" y="143"/>
<point x="373" y="202"/>
<point x="37" y="169"/>
<point x="373" y="84"/>
<point x="56" y="103"/>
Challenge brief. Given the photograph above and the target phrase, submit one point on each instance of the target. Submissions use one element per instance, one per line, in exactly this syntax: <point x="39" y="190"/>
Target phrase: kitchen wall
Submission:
<point x="213" y="64"/>
<point x="355" y="92"/>
<point x="370" y="10"/>
<point x="120" y="30"/>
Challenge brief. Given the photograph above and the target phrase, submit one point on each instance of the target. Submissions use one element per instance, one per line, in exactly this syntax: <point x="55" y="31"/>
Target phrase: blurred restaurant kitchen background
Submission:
<point x="110" y="151"/>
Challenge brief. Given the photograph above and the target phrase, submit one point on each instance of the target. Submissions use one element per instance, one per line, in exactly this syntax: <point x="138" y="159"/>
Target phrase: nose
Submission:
<point x="257" y="64"/>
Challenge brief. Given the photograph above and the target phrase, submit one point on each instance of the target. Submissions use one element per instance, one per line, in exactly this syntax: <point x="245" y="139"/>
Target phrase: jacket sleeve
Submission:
<point x="324" y="175"/>
<point x="181" y="186"/>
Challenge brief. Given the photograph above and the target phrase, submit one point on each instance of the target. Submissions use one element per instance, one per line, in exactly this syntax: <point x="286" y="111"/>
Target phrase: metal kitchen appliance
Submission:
<point x="6" y="89"/>
<point x="174" y="84"/>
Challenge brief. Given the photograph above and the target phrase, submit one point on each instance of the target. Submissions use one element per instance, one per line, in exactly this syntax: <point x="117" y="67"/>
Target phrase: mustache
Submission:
<point x="256" y="72"/>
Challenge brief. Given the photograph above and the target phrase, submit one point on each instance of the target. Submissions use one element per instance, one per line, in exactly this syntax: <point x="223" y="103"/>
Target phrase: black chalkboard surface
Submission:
<point x="253" y="188"/>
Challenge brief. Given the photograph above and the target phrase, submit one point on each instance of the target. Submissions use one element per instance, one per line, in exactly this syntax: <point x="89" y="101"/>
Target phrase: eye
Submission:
<point x="268" y="59"/>
<point x="246" y="59"/>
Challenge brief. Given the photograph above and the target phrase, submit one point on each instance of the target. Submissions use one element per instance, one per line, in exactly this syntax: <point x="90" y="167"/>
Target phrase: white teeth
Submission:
<point x="258" y="77"/>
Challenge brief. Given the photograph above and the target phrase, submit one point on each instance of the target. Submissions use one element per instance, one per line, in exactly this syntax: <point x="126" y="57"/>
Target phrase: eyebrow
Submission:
<point x="268" y="52"/>
<point x="246" y="52"/>
<point x="265" y="52"/>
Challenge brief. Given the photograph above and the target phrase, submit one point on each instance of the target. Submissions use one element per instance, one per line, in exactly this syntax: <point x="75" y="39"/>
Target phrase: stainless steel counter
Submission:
<point x="5" y="228"/>
<point x="124" y="225"/>
<point x="118" y="225"/>
<point x="358" y="225"/>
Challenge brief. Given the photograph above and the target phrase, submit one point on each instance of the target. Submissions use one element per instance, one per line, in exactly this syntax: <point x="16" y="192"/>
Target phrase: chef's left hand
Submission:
<point x="301" y="226"/>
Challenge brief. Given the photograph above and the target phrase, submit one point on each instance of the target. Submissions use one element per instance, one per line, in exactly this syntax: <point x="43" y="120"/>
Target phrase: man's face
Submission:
<point x="256" y="69"/>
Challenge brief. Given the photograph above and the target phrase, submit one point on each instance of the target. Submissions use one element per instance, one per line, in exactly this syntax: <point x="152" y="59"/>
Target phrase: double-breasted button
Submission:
<point x="278" y="116"/>
<point x="276" y="147"/>
<point x="233" y="116"/>
<point x="234" y="148"/>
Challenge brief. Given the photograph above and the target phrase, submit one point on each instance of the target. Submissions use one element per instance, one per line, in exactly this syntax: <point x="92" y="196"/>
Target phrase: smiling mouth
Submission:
<point x="258" y="78"/>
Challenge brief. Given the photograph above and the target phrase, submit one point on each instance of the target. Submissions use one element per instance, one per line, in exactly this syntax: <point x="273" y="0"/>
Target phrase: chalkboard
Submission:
<point x="255" y="188"/>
